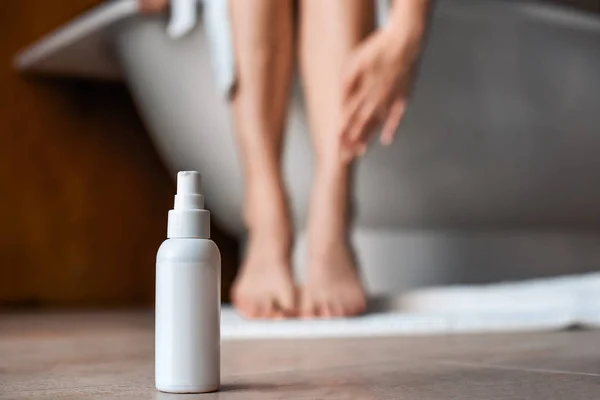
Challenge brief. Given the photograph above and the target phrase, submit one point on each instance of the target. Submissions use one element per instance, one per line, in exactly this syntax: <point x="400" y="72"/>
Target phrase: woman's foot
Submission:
<point x="264" y="287"/>
<point x="333" y="287"/>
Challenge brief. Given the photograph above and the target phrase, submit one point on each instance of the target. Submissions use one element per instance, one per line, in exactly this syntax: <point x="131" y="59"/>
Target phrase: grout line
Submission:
<point x="515" y="368"/>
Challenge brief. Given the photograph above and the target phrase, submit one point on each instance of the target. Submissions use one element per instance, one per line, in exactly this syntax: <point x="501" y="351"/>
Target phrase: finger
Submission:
<point x="347" y="146"/>
<point x="359" y="123"/>
<point x="350" y="109"/>
<point x="392" y="122"/>
<point x="152" y="6"/>
<point x="361" y="130"/>
<point x="352" y="79"/>
<point x="360" y="149"/>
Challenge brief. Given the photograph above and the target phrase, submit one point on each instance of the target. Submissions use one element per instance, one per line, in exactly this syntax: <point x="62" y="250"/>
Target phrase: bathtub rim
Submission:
<point x="60" y="53"/>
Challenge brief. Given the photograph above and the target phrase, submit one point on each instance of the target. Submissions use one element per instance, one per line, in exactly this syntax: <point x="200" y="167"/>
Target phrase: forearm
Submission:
<point x="408" y="21"/>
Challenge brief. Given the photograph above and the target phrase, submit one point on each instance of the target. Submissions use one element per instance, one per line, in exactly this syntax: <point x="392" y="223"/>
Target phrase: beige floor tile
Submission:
<point x="110" y="355"/>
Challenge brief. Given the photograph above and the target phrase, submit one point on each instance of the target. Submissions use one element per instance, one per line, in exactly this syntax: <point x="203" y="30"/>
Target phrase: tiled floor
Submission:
<point x="110" y="356"/>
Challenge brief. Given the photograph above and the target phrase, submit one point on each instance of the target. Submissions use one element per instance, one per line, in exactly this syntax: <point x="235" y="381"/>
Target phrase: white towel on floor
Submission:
<point x="534" y="305"/>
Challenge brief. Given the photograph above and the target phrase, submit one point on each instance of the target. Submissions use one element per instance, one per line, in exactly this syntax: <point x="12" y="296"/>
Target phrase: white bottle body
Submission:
<point x="188" y="310"/>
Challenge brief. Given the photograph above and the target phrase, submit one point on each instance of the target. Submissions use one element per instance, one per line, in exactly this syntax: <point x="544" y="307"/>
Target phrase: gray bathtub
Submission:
<point x="496" y="170"/>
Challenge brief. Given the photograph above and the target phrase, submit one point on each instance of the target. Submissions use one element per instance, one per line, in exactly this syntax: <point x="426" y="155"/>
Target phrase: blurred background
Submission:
<point x="83" y="194"/>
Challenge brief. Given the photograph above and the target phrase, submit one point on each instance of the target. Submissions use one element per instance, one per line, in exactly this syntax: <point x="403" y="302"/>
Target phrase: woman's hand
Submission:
<point x="375" y="90"/>
<point x="152" y="6"/>
<point x="377" y="81"/>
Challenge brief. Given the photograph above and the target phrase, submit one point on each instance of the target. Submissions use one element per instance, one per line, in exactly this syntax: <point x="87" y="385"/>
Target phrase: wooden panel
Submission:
<point x="83" y="194"/>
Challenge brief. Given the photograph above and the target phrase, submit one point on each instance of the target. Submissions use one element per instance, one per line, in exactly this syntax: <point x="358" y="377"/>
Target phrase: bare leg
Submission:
<point x="263" y="37"/>
<point x="329" y="30"/>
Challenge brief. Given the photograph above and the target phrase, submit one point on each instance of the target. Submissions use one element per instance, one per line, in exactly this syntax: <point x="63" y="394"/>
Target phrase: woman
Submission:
<point x="354" y="79"/>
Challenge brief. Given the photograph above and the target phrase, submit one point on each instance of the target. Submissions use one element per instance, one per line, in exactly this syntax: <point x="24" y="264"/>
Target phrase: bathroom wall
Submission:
<point x="83" y="194"/>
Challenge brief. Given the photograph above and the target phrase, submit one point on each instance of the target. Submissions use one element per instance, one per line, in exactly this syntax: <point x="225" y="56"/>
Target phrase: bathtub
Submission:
<point x="495" y="173"/>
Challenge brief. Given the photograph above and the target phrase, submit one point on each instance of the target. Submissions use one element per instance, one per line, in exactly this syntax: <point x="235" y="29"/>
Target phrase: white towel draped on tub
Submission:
<point x="218" y="31"/>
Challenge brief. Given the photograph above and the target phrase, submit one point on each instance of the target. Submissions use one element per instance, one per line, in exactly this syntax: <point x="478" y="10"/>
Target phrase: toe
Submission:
<point x="272" y="311"/>
<point x="361" y="305"/>
<point x="337" y="310"/>
<point x="277" y="314"/>
<point x="263" y="309"/>
<point x="355" y="307"/>
<point x="245" y="309"/>
<point x="308" y="313"/>
<point x="286" y="303"/>
<point x="250" y="309"/>
<point x="318" y="309"/>
<point x="308" y="309"/>
<point x="327" y="310"/>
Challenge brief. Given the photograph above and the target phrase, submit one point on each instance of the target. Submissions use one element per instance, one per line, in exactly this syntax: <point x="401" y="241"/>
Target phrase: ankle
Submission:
<point x="267" y="205"/>
<point x="328" y="224"/>
<point x="279" y="237"/>
<point x="323" y="247"/>
<point x="269" y="223"/>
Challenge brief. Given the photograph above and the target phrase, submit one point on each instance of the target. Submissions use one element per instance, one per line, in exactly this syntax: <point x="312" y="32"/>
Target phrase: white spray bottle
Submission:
<point x="188" y="297"/>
